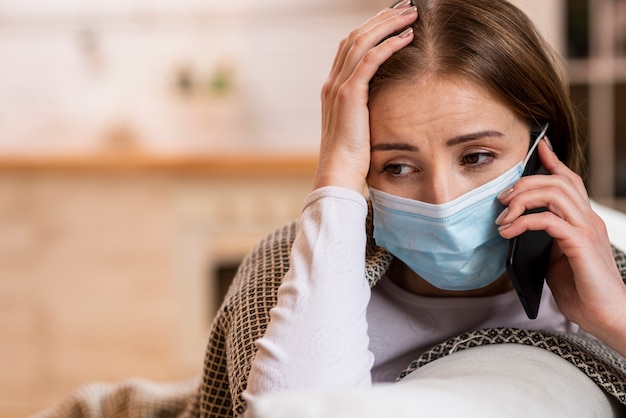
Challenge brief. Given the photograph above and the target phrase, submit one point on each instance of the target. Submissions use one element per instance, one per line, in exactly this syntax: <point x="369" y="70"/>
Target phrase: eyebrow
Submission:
<point x="474" y="136"/>
<point x="394" y="146"/>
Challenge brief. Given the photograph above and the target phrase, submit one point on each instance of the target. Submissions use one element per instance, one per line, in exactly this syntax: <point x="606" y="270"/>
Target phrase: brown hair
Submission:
<point x="492" y="43"/>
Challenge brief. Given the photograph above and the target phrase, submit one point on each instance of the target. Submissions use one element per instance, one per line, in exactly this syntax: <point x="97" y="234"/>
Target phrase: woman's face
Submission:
<point x="434" y="139"/>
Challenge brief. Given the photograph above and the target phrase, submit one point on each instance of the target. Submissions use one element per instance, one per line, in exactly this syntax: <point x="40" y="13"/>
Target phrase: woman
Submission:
<point x="433" y="113"/>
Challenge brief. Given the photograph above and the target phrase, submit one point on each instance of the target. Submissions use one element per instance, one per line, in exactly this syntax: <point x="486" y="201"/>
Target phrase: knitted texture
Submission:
<point x="243" y="318"/>
<point x="245" y="314"/>
<point x="136" y="398"/>
<point x="601" y="364"/>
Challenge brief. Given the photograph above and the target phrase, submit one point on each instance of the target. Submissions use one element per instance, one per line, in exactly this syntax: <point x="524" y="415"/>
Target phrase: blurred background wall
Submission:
<point x="85" y="76"/>
<point x="147" y="145"/>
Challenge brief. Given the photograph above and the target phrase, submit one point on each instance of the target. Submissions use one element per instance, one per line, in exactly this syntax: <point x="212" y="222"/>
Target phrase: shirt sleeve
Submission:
<point x="317" y="334"/>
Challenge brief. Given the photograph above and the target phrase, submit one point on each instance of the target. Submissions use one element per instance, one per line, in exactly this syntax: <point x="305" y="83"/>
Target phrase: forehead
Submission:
<point x="431" y="102"/>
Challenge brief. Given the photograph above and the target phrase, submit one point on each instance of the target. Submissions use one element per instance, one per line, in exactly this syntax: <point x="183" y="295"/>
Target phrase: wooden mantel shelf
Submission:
<point x="210" y="165"/>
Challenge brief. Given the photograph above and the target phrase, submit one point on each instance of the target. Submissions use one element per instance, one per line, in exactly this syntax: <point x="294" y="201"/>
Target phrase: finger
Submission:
<point x="375" y="57"/>
<point x="353" y="86"/>
<point x="354" y="92"/>
<point x="572" y="240"/>
<point x="556" y="227"/>
<point x="550" y="197"/>
<point x="345" y="45"/>
<point x="562" y="192"/>
<point x="554" y="166"/>
<point x="580" y="245"/>
<point x="363" y="64"/>
<point x="363" y="39"/>
<point x="546" y="191"/>
<point x="342" y="70"/>
<point x="400" y="4"/>
<point x="558" y="170"/>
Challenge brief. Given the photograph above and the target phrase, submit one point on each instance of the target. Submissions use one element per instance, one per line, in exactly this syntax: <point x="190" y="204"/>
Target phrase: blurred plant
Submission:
<point x="222" y="82"/>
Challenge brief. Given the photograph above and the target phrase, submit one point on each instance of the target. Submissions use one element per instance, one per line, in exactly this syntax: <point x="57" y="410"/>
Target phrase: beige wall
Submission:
<point x="549" y="17"/>
<point x="89" y="78"/>
<point x="106" y="276"/>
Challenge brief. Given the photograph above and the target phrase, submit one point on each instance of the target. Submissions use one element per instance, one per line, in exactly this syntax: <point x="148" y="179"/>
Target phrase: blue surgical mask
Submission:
<point x="454" y="245"/>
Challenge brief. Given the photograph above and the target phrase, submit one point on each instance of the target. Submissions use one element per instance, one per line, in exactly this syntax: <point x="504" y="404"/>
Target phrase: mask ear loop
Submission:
<point x="536" y="143"/>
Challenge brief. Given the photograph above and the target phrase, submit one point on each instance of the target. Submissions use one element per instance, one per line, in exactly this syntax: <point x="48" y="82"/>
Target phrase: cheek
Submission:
<point x="380" y="181"/>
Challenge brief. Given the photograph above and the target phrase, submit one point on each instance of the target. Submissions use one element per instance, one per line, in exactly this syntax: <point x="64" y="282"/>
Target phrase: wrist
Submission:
<point x="612" y="331"/>
<point x="325" y="181"/>
<point x="618" y="334"/>
<point x="344" y="178"/>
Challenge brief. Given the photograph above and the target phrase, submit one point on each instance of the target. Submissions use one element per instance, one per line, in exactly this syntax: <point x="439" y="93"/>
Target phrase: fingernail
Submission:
<point x="548" y="143"/>
<point x="410" y="10"/>
<point x="501" y="216"/>
<point x="503" y="227"/>
<point x="405" y="33"/>
<point x="504" y="193"/>
<point x="401" y="3"/>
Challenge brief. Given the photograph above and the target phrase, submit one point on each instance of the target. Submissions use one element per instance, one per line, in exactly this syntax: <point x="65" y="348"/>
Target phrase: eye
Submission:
<point x="398" y="170"/>
<point x="477" y="158"/>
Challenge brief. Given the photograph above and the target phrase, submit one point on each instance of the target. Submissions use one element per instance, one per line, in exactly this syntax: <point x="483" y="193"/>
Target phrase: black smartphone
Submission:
<point x="529" y="253"/>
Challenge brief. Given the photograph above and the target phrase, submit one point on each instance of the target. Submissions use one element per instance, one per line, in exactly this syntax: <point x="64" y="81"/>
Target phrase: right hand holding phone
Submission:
<point x="582" y="274"/>
<point x="345" y="143"/>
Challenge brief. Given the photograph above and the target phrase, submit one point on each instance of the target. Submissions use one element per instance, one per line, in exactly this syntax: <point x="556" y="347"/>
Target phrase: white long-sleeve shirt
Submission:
<point x="329" y="330"/>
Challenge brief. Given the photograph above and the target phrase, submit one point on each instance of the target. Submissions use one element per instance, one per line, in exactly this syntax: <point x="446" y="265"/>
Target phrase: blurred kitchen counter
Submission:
<point x="207" y="165"/>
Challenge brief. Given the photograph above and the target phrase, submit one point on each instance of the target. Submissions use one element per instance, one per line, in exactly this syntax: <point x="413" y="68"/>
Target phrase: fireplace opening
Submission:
<point x="224" y="273"/>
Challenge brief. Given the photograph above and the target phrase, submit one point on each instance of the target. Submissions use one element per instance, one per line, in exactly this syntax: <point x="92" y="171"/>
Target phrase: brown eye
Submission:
<point x="398" y="170"/>
<point x="477" y="158"/>
<point x="471" y="159"/>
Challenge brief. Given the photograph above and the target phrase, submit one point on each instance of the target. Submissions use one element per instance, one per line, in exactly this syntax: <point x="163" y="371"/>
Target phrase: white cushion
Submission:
<point x="615" y="224"/>
<point x="503" y="380"/>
